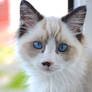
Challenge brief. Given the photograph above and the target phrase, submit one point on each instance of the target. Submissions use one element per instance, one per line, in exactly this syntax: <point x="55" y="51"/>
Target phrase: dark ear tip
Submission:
<point x="84" y="8"/>
<point x="24" y="2"/>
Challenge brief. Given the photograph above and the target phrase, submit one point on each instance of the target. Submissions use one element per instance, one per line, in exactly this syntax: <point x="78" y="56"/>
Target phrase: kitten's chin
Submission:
<point x="50" y="69"/>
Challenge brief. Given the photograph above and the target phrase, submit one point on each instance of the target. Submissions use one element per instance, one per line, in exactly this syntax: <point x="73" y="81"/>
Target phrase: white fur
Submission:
<point x="65" y="76"/>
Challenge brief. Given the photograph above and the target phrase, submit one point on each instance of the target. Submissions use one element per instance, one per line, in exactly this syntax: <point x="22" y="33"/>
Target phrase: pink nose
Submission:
<point x="47" y="63"/>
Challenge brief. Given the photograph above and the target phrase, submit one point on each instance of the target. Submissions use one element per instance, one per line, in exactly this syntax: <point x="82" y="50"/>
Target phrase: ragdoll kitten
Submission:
<point x="53" y="50"/>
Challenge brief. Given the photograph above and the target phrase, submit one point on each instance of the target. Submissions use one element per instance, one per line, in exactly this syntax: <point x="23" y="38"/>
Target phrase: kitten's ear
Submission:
<point x="75" y="21"/>
<point x="29" y="16"/>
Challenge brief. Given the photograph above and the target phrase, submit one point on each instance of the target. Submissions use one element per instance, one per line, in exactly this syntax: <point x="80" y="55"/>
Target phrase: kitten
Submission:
<point x="53" y="50"/>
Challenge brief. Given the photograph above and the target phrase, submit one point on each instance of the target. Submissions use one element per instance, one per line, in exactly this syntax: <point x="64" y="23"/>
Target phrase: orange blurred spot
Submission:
<point x="4" y="14"/>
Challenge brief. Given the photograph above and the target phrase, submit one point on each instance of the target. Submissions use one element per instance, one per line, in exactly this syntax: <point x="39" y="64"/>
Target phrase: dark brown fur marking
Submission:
<point x="23" y="28"/>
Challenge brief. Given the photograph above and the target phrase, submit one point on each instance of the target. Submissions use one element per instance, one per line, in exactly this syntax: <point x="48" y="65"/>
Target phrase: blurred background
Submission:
<point x="12" y="77"/>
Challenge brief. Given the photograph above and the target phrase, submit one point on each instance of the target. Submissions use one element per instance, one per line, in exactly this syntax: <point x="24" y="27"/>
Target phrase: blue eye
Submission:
<point x="62" y="47"/>
<point x="37" y="45"/>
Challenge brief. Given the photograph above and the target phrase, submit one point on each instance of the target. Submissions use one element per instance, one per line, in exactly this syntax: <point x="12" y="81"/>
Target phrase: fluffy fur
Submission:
<point x="70" y="71"/>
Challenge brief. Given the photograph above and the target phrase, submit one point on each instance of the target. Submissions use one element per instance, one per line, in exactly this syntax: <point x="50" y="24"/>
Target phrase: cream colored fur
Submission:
<point x="70" y="70"/>
<point x="73" y="75"/>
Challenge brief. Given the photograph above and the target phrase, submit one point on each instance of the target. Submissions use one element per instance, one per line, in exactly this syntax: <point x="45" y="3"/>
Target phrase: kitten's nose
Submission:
<point x="48" y="64"/>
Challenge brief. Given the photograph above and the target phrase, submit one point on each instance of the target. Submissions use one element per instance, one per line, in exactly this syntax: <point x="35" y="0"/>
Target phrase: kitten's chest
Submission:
<point x="57" y="84"/>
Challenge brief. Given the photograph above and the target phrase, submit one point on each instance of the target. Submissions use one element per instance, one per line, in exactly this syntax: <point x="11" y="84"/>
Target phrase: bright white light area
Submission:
<point x="57" y="8"/>
<point x="1" y="1"/>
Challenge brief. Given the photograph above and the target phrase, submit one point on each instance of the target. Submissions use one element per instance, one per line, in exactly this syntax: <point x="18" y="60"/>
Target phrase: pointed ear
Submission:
<point x="29" y="16"/>
<point x="75" y="21"/>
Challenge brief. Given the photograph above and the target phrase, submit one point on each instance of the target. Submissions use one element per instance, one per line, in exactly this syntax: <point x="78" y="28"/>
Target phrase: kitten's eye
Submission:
<point x="62" y="47"/>
<point x="37" y="45"/>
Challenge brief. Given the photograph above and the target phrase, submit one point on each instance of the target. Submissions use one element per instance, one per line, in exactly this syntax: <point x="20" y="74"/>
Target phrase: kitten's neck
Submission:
<point x="60" y="82"/>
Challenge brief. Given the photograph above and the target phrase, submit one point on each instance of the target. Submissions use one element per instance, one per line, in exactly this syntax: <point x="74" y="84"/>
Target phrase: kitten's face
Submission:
<point x="49" y="44"/>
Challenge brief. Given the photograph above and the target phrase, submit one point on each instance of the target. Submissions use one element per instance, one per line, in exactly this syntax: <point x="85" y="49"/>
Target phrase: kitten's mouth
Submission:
<point x="50" y="69"/>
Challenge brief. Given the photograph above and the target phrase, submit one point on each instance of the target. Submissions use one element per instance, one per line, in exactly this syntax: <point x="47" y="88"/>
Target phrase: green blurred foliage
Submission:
<point x="18" y="81"/>
<point x="5" y="52"/>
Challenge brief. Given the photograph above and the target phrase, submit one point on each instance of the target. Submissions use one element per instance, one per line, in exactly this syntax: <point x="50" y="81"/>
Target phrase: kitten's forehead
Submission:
<point x="49" y="27"/>
<point x="53" y="26"/>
